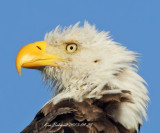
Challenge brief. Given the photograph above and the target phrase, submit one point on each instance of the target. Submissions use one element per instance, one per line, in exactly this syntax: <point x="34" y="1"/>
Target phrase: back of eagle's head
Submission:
<point x="94" y="65"/>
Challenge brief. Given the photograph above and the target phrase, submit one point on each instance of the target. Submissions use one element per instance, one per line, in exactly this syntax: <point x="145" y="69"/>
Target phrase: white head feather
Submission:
<point x="99" y="61"/>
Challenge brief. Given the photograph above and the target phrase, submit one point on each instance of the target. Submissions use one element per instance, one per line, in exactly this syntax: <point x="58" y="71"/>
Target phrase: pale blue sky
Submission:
<point x="134" y="23"/>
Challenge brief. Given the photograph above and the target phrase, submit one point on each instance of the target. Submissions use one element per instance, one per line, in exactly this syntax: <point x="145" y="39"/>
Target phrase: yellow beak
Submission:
<point x="33" y="56"/>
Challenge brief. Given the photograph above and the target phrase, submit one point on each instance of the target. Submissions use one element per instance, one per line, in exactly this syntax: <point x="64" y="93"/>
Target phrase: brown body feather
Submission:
<point x="89" y="116"/>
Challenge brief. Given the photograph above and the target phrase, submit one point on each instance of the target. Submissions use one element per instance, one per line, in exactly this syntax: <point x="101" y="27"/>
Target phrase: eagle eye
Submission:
<point x="72" y="47"/>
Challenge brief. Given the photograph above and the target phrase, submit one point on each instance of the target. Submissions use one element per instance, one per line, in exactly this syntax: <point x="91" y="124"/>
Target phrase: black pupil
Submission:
<point x="71" y="48"/>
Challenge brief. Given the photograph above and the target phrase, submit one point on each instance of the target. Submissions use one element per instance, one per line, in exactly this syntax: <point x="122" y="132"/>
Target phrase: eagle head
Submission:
<point x="82" y="62"/>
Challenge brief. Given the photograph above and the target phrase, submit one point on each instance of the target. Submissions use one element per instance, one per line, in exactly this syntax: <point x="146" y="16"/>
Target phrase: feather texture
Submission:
<point x="89" y="116"/>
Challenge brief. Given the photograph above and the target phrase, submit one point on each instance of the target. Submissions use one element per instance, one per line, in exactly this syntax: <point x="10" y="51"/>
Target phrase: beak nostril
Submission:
<point x="38" y="47"/>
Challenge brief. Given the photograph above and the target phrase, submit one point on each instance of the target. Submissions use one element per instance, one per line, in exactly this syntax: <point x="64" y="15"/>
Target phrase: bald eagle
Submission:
<point x="96" y="85"/>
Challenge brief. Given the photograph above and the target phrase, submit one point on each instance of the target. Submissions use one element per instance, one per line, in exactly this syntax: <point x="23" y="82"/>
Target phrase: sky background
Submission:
<point x="133" y="23"/>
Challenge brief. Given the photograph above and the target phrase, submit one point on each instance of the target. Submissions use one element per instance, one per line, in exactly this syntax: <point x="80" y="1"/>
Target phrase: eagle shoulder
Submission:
<point x="89" y="116"/>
